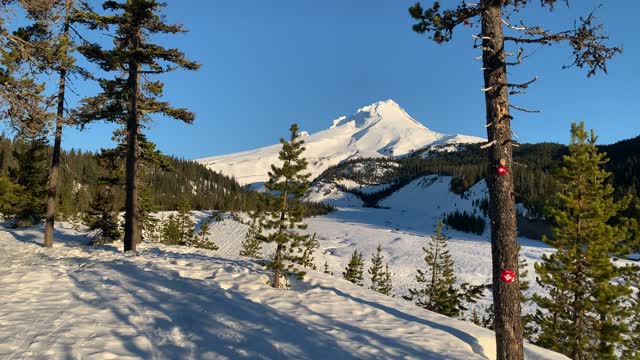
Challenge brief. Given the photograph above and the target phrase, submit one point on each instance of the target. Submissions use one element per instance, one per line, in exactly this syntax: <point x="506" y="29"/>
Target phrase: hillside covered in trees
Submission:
<point x="165" y="185"/>
<point x="534" y="167"/>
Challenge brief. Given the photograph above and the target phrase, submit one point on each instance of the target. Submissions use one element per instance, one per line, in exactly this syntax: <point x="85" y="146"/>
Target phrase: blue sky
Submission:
<point x="268" y="64"/>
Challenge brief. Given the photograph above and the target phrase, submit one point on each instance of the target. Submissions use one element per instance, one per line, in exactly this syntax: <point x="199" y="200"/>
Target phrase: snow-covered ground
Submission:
<point x="75" y="301"/>
<point x="378" y="130"/>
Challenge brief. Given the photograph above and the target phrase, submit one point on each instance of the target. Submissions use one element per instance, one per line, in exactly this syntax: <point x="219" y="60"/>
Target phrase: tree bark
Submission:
<point x="54" y="174"/>
<point x="132" y="233"/>
<point x="276" y="270"/>
<point x="504" y="244"/>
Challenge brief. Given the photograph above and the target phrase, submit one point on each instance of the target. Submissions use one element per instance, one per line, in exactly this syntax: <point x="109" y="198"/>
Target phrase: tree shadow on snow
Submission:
<point x="184" y="317"/>
<point x="465" y="337"/>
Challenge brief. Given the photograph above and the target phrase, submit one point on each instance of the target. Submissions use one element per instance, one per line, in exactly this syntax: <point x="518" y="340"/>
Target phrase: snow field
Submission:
<point x="75" y="301"/>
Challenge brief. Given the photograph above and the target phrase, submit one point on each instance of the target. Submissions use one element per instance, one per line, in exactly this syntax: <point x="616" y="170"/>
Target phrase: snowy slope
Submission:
<point x="75" y="301"/>
<point x="380" y="129"/>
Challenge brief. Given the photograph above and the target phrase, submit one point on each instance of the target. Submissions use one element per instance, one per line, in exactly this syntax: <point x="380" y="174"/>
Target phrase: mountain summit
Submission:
<point x="377" y="130"/>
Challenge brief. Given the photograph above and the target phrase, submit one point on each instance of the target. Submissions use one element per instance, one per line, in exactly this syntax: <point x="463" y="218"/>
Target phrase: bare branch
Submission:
<point x="523" y="85"/>
<point x="585" y="38"/>
<point x="519" y="28"/>
<point x="523" y="109"/>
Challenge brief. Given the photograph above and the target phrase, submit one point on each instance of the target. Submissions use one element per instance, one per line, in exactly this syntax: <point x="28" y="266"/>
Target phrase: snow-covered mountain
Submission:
<point x="380" y="129"/>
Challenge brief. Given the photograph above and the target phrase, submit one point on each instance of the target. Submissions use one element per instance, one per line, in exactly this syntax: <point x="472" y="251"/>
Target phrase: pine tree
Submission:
<point x="380" y="276"/>
<point x="185" y="223"/>
<point x="309" y="245"/>
<point x="289" y="183"/>
<point x="8" y="196"/>
<point x="129" y="99"/>
<point x="584" y="313"/>
<point x="171" y="234"/>
<point x="201" y="240"/>
<point x="252" y="243"/>
<point x="375" y="271"/>
<point x="30" y="174"/>
<point x="493" y="37"/>
<point x="439" y="293"/>
<point x="102" y="217"/>
<point x="385" y="286"/>
<point x="355" y="268"/>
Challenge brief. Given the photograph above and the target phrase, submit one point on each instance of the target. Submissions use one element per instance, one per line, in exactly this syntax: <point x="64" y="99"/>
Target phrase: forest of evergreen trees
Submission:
<point x="175" y="182"/>
<point x="533" y="174"/>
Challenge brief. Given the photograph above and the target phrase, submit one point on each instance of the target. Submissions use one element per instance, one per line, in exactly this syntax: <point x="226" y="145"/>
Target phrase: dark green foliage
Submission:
<point x="289" y="182"/>
<point x="385" y="286"/>
<point x="585" y="312"/>
<point x="129" y="94"/>
<point x="475" y="318"/>
<point x="171" y="233"/>
<point x="309" y="245"/>
<point x="355" y="268"/>
<point x="8" y="196"/>
<point x="466" y="222"/>
<point x="380" y="276"/>
<point x="252" y="243"/>
<point x="376" y="269"/>
<point x="102" y="217"/>
<point x="30" y="174"/>
<point x="201" y="240"/>
<point x="534" y="183"/>
<point x="440" y="293"/>
<point x="84" y="173"/>
<point x="178" y="228"/>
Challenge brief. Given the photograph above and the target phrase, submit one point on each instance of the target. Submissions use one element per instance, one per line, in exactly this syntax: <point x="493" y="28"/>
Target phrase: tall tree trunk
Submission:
<point x="276" y="270"/>
<point x="278" y="258"/>
<point x="502" y="213"/>
<point x="132" y="233"/>
<point x="55" y="160"/>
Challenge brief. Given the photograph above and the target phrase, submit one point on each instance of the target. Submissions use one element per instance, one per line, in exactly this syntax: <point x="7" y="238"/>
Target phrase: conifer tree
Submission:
<point x="30" y="174"/>
<point x="380" y="276"/>
<point x="309" y="245"/>
<point x="355" y="268"/>
<point x="171" y="233"/>
<point x="584" y="314"/>
<point x="102" y="217"/>
<point x="201" y="240"/>
<point x="502" y="22"/>
<point x="375" y="271"/>
<point x="439" y="293"/>
<point x="131" y="98"/>
<point x="252" y="243"/>
<point x="385" y="286"/>
<point x="104" y="209"/>
<point x="8" y="196"/>
<point x="185" y="223"/>
<point x="289" y="182"/>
